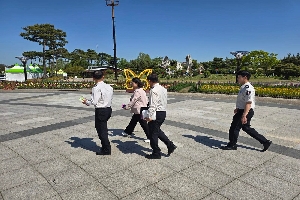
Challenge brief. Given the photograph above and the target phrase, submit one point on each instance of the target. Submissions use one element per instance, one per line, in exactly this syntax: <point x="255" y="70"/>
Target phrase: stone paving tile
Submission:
<point x="246" y="159"/>
<point x="6" y="153"/>
<point x="282" y="172"/>
<point x="56" y="197"/>
<point x="176" y="162"/>
<point x="64" y="181"/>
<point x="193" y="153"/>
<point x="271" y="184"/>
<point x="38" y="156"/>
<point x="22" y="145"/>
<point x="207" y="176"/>
<point x="181" y="187"/>
<point x="123" y="183"/>
<point x="18" y="177"/>
<point x="227" y="166"/>
<point x="148" y="193"/>
<point x="239" y="190"/>
<point x="80" y="156"/>
<point x="64" y="153"/>
<point x="287" y="161"/>
<point x="102" y="166"/>
<point x="297" y="197"/>
<point x="89" y="191"/>
<point x="11" y="164"/>
<point x="215" y="196"/>
<point x="151" y="171"/>
<point x="53" y="166"/>
<point x="39" y="189"/>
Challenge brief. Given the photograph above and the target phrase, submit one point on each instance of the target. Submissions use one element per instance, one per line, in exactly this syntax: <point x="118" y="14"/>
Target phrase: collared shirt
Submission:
<point x="102" y="95"/>
<point x="157" y="99"/>
<point x="246" y="94"/>
<point x="138" y="99"/>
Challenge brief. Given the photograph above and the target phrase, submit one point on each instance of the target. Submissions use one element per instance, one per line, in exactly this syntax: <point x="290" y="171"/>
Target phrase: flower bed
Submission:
<point x="290" y="91"/>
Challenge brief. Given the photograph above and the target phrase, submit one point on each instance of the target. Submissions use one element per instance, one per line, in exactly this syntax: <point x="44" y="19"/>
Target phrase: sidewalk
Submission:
<point x="48" y="144"/>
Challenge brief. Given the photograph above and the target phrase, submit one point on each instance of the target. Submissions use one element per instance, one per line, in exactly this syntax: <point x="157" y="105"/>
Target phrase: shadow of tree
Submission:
<point x="213" y="143"/>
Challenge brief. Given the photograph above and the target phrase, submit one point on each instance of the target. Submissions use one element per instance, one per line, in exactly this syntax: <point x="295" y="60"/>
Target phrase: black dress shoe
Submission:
<point x="229" y="147"/>
<point x="266" y="145"/>
<point x="152" y="156"/>
<point x="103" y="153"/>
<point x="171" y="149"/>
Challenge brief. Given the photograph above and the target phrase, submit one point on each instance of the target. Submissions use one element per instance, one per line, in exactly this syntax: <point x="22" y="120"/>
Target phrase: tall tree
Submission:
<point x="143" y="61"/>
<point x="105" y="59"/>
<point x="91" y="55"/>
<point x="47" y="36"/>
<point x="260" y="59"/>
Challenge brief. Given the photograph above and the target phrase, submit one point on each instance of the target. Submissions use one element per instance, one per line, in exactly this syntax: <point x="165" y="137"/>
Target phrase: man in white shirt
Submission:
<point x="245" y="104"/>
<point x="101" y="99"/>
<point x="157" y="115"/>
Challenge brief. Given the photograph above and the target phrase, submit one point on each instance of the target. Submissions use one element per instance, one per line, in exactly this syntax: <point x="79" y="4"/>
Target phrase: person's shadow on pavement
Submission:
<point x="129" y="147"/>
<point x="213" y="143"/>
<point x="85" y="143"/>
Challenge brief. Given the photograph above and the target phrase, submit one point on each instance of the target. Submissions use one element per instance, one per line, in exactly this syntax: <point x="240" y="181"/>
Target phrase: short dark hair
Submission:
<point x="138" y="82"/>
<point x="153" y="78"/>
<point x="244" y="74"/>
<point x="98" y="74"/>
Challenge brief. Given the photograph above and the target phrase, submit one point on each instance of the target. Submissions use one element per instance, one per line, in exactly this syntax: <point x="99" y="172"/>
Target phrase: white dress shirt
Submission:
<point x="246" y="94"/>
<point x="102" y="95"/>
<point x="157" y="99"/>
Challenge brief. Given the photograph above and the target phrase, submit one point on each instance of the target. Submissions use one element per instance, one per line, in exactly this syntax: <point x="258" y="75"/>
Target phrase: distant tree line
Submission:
<point x="54" y="56"/>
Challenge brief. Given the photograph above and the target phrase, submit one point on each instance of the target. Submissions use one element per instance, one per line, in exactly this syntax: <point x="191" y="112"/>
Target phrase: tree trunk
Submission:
<point x="44" y="61"/>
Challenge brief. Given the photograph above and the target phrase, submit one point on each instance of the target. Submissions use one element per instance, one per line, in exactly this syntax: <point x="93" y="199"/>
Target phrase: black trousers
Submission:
<point x="134" y="120"/>
<point x="102" y="115"/>
<point x="237" y="125"/>
<point x="156" y="133"/>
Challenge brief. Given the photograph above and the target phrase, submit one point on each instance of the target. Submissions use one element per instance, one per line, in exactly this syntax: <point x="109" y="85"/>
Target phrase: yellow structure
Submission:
<point x="129" y="74"/>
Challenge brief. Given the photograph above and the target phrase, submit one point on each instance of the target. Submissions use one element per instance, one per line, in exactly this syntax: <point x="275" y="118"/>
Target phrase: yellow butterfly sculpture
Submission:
<point x="129" y="74"/>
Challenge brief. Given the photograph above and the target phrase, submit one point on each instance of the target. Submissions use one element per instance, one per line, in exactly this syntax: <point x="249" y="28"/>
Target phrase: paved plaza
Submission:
<point x="48" y="144"/>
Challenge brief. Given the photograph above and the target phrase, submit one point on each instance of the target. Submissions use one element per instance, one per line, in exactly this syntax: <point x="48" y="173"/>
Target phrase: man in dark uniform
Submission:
<point x="101" y="99"/>
<point x="157" y="115"/>
<point x="243" y="113"/>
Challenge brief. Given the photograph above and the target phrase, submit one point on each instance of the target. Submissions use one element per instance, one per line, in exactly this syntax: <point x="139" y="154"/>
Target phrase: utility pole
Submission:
<point x="114" y="3"/>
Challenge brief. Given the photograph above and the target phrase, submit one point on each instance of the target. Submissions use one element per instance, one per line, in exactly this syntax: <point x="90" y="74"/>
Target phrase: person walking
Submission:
<point x="137" y="101"/>
<point x="101" y="99"/>
<point x="156" y="117"/>
<point x="243" y="114"/>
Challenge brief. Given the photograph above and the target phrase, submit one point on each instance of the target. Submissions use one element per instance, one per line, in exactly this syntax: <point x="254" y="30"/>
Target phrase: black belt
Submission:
<point x="244" y="109"/>
<point x="102" y="108"/>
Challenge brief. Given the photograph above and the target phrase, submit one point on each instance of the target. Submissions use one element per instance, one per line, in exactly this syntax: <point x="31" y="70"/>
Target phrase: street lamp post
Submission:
<point x="114" y="3"/>
<point x="238" y="55"/>
<point x="24" y="61"/>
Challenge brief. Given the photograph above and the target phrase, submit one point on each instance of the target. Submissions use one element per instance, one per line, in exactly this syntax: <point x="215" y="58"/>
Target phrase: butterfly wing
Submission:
<point x="143" y="76"/>
<point x="129" y="74"/>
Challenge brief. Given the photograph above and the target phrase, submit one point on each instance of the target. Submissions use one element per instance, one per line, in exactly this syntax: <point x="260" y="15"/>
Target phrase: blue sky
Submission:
<point x="202" y="28"/>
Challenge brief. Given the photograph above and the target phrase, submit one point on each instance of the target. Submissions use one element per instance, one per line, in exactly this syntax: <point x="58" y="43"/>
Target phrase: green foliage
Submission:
<point x="47" y="36"/>
<point x="206" y="74"/>
<point x="178" y="86"/>
<point x="260" y="60"/>
<point x="291" y="59"/>
<point x="287" y="70"/>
